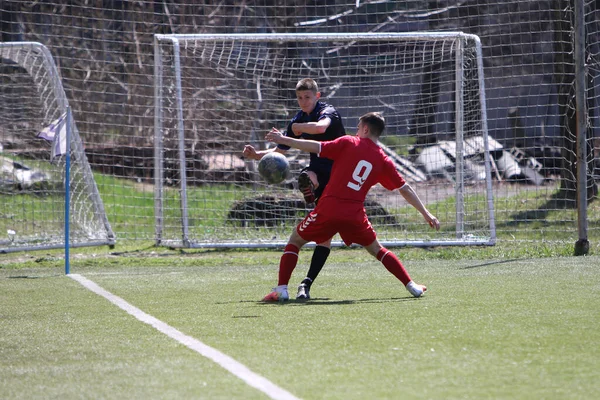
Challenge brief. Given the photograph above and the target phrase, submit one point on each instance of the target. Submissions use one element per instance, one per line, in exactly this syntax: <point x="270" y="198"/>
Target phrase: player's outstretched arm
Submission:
<point x="253" y="154"/>
<point x="309" y="146"/>
<point x="413" y="199"/>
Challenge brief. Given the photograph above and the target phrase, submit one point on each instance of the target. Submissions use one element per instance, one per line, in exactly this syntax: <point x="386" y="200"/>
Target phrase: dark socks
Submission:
<point x="316" y="264"/>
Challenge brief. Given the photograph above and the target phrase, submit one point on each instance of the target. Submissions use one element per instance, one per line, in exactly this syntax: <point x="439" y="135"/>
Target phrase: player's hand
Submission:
<point x="250" y="152"/>
<point x="274" y="136"/>
<point x="296" y="130"/>
<point x="433" y="222"/>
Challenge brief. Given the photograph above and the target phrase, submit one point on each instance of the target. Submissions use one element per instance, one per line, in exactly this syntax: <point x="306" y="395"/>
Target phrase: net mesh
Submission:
<point x="32" y="185"/>
<point x="234" y="91"/>
<point x="106" y="59"/>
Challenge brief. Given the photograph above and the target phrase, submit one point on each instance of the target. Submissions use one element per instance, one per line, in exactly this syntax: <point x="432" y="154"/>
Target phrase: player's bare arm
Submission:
<point x="311" y="128"/>
<point x="413" y="199"/>
<point x="253" y="154"/>
<point x="309" y="146"/>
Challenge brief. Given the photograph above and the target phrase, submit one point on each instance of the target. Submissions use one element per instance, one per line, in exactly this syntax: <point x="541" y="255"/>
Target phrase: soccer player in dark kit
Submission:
<point x="317" y="121"/>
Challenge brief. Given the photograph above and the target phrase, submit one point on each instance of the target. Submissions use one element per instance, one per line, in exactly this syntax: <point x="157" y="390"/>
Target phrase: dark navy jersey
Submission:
<point x="334" y="131"/>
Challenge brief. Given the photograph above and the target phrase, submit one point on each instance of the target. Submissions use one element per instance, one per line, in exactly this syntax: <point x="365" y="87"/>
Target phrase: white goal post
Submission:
<point x="216" y="92"/>
<point x="33" y="118"/>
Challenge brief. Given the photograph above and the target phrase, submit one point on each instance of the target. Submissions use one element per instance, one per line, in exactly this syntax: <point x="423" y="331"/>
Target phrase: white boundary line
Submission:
<point x="231" y="365"/>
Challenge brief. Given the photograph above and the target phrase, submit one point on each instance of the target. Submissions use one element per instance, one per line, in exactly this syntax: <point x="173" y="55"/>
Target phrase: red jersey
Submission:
<point x="359" y="164"/>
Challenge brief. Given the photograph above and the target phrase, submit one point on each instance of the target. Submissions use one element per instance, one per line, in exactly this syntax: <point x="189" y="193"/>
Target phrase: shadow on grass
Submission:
<point x="560" y="200"/>
<point x="324" y="301"/>
<point x="489" y="263"/>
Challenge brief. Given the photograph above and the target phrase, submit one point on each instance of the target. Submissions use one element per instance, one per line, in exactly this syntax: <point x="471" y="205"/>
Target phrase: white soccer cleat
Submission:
<point x="415" y="289"/>
<point x="279" y="293"/>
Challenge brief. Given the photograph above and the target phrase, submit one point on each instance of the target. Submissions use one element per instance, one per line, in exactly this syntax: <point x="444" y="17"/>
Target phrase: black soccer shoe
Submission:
<point x="303" y="292"/>
<point x="307" y="188"/>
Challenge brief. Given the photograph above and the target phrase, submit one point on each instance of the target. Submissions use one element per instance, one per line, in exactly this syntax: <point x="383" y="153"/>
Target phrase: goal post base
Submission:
<point x="582" y="247"/>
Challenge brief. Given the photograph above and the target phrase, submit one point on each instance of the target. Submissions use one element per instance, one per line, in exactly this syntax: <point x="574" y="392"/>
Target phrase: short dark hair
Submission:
<point x="307" y="84"/>
<point x="375" y="122"/>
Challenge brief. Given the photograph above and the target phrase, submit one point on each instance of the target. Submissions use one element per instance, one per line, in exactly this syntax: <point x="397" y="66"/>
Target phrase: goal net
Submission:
<point x="33" y="109"/>
<point x="214" y="93"/>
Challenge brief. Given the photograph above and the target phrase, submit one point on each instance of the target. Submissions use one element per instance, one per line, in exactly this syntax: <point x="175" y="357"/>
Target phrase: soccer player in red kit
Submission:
<point x="359" y="164"/>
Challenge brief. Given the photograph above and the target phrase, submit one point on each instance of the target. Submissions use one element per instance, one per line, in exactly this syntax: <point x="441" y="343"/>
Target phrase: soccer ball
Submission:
<point x="274" y="167"/>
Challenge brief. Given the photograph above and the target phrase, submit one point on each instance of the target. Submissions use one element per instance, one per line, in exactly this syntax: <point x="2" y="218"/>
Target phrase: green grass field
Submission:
<point x="490" y="328"/>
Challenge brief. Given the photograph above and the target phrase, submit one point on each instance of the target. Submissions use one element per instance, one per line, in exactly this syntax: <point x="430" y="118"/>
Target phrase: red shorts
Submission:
<point x="322" y="223"/>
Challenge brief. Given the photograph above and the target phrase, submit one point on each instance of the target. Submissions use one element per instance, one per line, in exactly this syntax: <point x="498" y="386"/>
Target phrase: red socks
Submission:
<point x="287" y="263"/>
<point x="289" y="259"/>
<point x="392" y="264"/>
